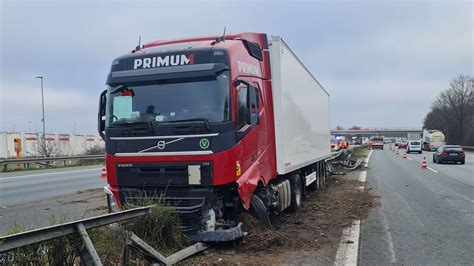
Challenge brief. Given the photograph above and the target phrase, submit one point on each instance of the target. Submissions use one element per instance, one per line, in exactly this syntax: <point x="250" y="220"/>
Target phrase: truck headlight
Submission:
<point x="111" y="202"/>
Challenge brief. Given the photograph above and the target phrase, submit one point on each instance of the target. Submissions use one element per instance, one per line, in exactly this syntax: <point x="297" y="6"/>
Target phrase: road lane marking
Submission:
<point x="53" y="173"/>
<point x="363" y="176"/>
<point x="348" y="250"/>
<point x="408" y="207"/>
<point x="410" y="159"/>
<point x="368" y="158"/>
<point x="386" y="228"/>
<point x="431" y="169"/>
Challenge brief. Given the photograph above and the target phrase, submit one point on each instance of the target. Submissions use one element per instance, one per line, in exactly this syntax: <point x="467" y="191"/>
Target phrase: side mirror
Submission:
<point x="101" y="114"/>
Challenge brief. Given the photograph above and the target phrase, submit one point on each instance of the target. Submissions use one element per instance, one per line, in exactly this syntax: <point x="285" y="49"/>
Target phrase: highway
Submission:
<point x="33" y="198"/>
<point x="27" y="186"/>
<point x="426" y="216"/>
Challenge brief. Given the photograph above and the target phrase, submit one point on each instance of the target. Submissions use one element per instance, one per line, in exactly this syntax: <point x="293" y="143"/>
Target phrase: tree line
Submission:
<point x="452" y="112"/>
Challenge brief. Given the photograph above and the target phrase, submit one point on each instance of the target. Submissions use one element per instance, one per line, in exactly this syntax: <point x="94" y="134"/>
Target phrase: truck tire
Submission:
<point x="260" y="211"/>
<point x="296" y="193"/>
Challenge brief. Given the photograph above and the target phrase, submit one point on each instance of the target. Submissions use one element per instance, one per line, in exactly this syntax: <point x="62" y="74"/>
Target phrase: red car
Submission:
<point x="402" y="145"/>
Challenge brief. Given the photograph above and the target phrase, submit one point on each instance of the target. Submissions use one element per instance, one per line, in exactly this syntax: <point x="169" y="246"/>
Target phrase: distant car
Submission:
<point x="414" y="146"/>
<point x="449" y="153"/>
<point x="402" y="145"/>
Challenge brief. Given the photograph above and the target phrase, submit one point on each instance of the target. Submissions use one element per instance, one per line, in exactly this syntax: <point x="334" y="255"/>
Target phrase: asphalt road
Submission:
<point x="33" y="199"/>
<point x="29" y="186"/>
<point x="426" y="216"/>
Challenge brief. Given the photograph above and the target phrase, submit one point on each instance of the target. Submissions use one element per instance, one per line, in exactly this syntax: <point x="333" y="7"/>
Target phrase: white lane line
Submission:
<point x="348" y="250"/>
<point x="410" y="159"/>
<point x="368" y="158"/>
<point x="431" y="169"/>
<point x="393" y="258"/>
<point x="408" y="207"/>
<point x="43" y="174"/>
<point x="363" y="176"/>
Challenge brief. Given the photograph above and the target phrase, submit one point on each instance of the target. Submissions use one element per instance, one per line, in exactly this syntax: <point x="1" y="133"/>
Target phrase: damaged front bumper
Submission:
<point x="198" y="218"/>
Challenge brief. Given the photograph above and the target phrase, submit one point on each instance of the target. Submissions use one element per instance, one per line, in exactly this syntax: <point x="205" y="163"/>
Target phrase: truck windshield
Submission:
<point x="167" y="102"/>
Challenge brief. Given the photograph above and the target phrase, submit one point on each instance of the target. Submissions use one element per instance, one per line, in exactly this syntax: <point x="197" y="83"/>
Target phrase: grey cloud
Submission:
<point x="370" y="56"/>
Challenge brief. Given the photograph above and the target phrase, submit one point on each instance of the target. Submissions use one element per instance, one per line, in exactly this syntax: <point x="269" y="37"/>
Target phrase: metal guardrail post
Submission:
<point x="88" y="253"/>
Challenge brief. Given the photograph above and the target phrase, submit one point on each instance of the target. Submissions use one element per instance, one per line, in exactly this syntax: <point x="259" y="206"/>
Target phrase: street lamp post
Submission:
<point x="42" y="104"/>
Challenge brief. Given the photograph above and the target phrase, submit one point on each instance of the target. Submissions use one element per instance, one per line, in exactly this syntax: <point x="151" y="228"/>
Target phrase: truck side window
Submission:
<point x="257" y="94"/>
<point x="253" y="99"/>
<point x="243" y="108"/>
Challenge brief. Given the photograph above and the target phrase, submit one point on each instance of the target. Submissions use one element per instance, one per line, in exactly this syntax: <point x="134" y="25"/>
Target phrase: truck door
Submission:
<point x="247" y="119"/>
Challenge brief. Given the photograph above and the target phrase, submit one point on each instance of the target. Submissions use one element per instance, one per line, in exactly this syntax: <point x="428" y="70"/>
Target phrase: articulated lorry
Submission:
<point x="213" y="126"/>
<point x="433" y="139"/>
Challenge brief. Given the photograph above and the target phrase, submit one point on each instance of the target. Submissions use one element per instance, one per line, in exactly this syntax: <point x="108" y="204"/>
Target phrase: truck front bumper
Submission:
<point x="198" y="219"/>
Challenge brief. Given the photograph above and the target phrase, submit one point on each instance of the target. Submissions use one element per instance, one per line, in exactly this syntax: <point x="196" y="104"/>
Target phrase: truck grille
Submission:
<point x="161" y="174"/>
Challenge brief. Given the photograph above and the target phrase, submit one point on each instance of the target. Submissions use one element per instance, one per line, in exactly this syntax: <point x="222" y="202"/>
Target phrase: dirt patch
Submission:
<point x="317" y="225"/>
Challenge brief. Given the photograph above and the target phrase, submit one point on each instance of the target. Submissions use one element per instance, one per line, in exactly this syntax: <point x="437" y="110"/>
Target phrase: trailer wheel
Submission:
<point x="296" y="193"/>
<point x="260" y="211"/>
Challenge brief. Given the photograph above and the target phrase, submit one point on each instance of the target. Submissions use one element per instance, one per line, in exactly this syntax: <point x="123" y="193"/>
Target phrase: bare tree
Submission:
<point x="45" y="147"/>
<point x="96" y="150"/>
<point x="453" y="111"/>
<point x="355" y="128"/>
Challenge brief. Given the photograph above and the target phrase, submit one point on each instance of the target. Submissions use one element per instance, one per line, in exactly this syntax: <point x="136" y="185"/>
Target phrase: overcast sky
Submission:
<point x="382" y="63"/>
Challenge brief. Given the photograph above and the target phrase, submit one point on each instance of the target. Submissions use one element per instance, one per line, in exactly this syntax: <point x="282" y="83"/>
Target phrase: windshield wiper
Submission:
<point x="205" y="120"/>
<point x="149" y="124"/>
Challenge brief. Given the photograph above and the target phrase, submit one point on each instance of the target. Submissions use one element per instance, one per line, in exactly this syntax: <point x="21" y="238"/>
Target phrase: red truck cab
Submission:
<point x="184" y="111"/>
<point x="191" y="122"/>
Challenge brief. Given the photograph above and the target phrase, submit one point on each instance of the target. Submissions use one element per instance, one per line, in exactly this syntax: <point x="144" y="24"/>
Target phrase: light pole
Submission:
<point x="42" y="104"/>
<point x="29" y="126"/>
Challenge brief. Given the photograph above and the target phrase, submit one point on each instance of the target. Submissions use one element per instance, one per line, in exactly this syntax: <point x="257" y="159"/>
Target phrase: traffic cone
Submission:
<point x="405" y="156"/>
<point x="423" y="164"/>
<point x="104" y="171"/>
<point x="397" y="152"/>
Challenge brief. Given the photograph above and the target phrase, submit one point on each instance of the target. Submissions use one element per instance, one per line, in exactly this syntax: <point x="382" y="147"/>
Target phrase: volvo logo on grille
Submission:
<point x="161" y="144"/>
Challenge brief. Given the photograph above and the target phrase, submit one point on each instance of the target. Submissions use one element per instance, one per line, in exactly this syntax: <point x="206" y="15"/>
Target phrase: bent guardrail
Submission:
<point x="86" y="249"/>
<point x="88" y="253"/>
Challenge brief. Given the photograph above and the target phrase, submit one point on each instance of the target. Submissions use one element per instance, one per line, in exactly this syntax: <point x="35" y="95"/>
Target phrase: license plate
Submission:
<point x="453" y="154"/>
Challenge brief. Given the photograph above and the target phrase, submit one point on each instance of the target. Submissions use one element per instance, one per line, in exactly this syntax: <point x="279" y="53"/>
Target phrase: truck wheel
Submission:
<point x="296" y="193"/>
<point x="260" y="211"/>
